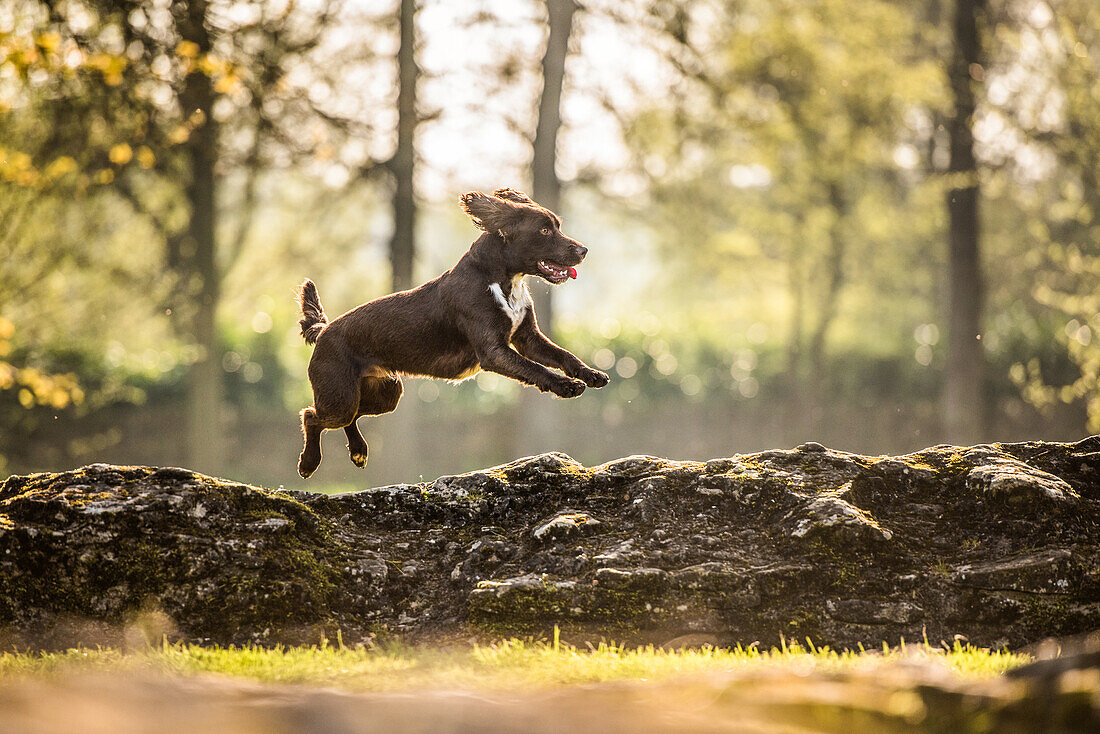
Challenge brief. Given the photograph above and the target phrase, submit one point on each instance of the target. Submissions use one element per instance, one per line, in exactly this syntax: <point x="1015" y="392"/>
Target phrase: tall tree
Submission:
<point x="193" y="253"/>
<point x="963" y="404"/>
<point x="402" y="165"/>
<point x="545" y="184"/>
<point x="538" y="422"/>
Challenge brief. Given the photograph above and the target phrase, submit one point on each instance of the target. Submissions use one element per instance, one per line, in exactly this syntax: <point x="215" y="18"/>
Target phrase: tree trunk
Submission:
<point x="402" y="425"/>
<point x="963" y="404"/>
<point x="834" y="270"/>
<point x="402" y="245"/>
<point x="798" y="421"/>
<point x="546" y="187"/>
<point x="539" y="424"/>
<point x="196" y="261"/>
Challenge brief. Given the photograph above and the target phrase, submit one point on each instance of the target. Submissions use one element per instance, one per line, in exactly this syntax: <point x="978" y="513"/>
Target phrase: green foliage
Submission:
<point x="1047" y="196"/>
<point x="781" y="176"/>
<point x="26" y="388"/>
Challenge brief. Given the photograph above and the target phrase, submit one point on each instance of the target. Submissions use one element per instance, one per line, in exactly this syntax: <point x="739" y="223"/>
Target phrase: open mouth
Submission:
<point x="556" y="273"/>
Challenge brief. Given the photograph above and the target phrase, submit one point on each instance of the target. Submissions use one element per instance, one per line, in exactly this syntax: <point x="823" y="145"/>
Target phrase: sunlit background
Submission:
<point x="790" y="210"/>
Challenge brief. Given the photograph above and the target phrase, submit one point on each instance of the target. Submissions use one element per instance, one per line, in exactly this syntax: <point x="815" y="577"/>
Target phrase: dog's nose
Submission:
<point x="581" y="250"/>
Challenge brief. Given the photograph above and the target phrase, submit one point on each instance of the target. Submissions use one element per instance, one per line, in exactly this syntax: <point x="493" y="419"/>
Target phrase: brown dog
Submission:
<point x="478" y="315"/>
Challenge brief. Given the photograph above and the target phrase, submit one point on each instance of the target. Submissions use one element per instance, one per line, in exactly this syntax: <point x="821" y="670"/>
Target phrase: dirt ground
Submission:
<point x="901" y="698"/>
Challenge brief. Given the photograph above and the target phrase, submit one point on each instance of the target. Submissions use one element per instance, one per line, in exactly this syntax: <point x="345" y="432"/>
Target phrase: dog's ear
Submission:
<point x="491" y="213"/>
<point x="513" y="195"/>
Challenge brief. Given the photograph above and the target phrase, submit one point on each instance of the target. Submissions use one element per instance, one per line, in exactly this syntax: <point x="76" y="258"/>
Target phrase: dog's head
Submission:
<point x="532" y="237"/>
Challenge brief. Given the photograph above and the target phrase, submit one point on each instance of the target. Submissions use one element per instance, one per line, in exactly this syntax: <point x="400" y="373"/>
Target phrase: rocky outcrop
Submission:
<point x="998" y="544"/>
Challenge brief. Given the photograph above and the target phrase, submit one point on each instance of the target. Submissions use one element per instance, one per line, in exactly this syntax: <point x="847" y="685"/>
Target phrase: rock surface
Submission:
<point x="999" y="544"/>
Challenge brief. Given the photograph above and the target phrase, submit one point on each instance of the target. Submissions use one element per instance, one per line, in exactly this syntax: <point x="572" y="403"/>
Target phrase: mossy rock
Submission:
<point x="997" y="543"/>
<point x="224" y="561"/>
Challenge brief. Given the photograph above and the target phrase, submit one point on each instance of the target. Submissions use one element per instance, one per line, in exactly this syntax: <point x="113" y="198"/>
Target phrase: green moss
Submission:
<point x="1051" y="615"/>
<point x="845" y="575"/>
<point x="471" y="495"/>
<point x="951" y="460"/>
<point x="575" y="471"/>
<point x="803" y="623"/>
<point x="265" y="513"/>
<point x="277" y="580"/>
<point x="524" y="610"/>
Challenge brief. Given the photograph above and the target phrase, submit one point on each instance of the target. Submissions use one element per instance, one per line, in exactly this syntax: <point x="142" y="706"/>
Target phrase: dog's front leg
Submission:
<point x="506" y="361"/>
<point x="533" y="344"/>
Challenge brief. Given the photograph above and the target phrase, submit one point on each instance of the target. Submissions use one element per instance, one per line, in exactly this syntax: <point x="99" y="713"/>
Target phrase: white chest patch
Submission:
<point x="516" y="304"/>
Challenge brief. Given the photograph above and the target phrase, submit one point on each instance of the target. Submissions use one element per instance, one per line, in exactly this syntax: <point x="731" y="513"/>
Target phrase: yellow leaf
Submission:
<point x="187" y="49"/>
<point x="59" y="398"/>
<point x="15" y="160"/>
<point x="7" y="328"/>
<point x="48" y="41"/>
<point x="26" y="398"/>
<point x="59" y="167"/>
<point x="145" y="157"/>
<point x="121" y="154"/>
<point x="104" y="176"/>
<point x="179" y="135"/>
<point x="226" y="84"/>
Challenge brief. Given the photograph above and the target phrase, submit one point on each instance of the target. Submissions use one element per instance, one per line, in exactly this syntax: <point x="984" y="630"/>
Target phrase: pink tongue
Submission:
<point x="573" y="273"/>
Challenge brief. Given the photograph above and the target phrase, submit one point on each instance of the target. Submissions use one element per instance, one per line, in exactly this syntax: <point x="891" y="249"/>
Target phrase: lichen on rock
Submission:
<point x="566" y="524"/>
<point x="1018" y="484"/>
<point x="833" y="517"/>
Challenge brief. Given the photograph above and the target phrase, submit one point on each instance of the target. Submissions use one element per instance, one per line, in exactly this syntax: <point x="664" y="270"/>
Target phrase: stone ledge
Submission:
<point x="998" y="543"/>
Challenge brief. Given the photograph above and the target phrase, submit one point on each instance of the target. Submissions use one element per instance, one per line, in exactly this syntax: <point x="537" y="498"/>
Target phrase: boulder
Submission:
<point x="995" y="544"/>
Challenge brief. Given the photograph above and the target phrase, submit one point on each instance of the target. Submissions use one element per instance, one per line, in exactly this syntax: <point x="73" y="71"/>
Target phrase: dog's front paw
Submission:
<point x="567" y="388"/>
<point x="594" y="378"/>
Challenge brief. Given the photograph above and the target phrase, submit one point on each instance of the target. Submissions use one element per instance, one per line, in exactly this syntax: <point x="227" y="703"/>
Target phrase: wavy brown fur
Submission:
<point x="478" y="315"/>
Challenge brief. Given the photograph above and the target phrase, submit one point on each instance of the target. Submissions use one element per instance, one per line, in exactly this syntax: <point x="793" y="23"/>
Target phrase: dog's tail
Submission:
<point x="313" y="320"/>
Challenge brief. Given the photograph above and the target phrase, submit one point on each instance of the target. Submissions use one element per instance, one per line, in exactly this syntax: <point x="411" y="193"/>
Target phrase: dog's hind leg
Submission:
<point x="377" y="395"/>
<point x="357" y="445"/>
<point x="335" y="400"/>
<point x="310" y="457"/>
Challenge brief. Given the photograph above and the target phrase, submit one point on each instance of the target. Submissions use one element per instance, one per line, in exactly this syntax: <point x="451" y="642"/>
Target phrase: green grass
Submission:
<point x="511" y="665"/>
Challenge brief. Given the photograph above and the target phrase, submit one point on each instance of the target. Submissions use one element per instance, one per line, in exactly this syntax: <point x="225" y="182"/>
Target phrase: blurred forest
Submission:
<point x="874" y="224"/>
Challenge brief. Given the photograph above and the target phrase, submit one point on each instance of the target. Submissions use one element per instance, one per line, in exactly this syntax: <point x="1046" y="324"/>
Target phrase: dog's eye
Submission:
<point x="544" y="230"/>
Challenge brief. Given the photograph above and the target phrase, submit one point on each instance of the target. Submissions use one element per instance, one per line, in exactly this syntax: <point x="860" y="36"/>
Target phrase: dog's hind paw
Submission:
<point x="307" y="465"/>
<point x="359" y="459"/>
